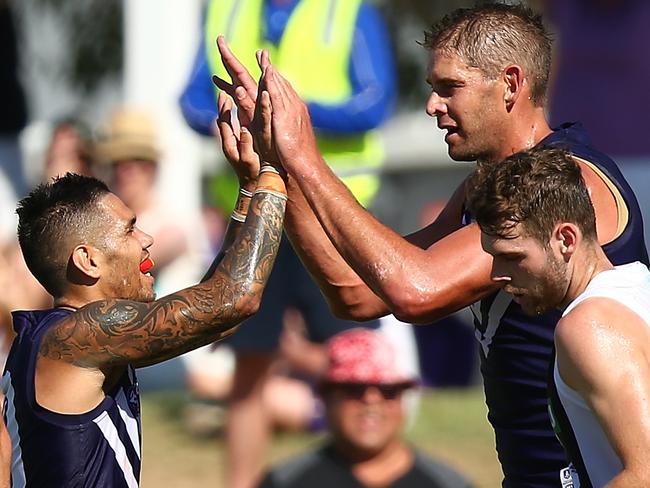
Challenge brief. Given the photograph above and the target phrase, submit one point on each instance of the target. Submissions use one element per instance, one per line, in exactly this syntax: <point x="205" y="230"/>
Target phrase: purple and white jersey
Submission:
<point x="517" y="349"/>
<point x="99" y="448"/>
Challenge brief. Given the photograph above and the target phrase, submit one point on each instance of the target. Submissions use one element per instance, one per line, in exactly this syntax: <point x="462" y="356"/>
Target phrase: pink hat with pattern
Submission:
<point x="364" y="356"/>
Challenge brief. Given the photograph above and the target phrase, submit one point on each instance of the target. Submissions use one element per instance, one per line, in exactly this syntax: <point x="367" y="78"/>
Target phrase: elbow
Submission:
<point x="347" y="312"/>
<point x="419" y="308"/>
<point x="356" y="304"/>
<point x="249" y="307"/>
<point x="244" y="308"/>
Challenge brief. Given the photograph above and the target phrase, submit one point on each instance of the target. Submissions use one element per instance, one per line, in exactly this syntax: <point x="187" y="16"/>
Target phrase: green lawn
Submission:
<point x="451" y="425"/>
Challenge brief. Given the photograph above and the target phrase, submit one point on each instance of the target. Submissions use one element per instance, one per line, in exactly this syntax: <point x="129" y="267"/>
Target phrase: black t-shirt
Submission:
<point x="324" y="468"/>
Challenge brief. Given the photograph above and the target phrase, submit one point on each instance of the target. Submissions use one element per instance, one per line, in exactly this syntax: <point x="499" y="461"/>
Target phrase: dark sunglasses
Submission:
<point x="356" y="391"/>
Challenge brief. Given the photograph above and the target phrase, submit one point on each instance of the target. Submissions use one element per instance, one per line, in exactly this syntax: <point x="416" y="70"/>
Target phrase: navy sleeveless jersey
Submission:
<point x="517" y="349"/>
<point x="100" y="448"/>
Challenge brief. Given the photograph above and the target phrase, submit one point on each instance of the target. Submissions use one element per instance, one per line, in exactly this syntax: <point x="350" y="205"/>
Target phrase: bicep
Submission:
<point x="453" y="260"/>
<point x="621" y="402"/>
<point x="461" y="270"/>
<point x="606" y="363"/>
<point x="118" y="332"/>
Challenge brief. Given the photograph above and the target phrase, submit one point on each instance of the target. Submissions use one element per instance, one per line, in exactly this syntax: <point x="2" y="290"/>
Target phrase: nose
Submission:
<point x="498" y="275"/>
<point x="371" y="394"/>
<point x="146" y="240"/>
<point x="436" y="105"/>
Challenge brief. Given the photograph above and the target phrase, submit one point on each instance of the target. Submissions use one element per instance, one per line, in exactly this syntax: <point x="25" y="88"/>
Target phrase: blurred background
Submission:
<point x="67" y="66"/>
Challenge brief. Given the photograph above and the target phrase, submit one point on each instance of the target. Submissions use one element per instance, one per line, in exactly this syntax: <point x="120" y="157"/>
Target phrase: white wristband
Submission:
<point x="269" y="169"/>
<point x="239" y="217"/>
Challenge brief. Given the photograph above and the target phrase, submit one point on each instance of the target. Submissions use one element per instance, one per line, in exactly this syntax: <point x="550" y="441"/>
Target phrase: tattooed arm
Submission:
<point x="116" y="332"/>
<point x="237" y="146"/>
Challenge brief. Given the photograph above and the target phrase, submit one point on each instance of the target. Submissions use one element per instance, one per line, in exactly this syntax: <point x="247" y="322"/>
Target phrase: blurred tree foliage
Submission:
<point x="93" y="37"/>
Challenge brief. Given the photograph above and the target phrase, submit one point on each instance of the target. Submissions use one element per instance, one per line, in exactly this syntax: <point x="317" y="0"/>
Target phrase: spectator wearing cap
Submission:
<point x="362" y="392"/>
<point x="128" y="154"/>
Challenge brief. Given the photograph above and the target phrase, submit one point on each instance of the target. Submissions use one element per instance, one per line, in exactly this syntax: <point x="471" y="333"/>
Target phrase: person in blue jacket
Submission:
<point x="351" y="90"/>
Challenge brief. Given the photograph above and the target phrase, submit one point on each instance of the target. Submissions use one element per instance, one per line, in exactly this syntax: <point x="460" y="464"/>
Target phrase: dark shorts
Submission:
<point x="289" y="286"/>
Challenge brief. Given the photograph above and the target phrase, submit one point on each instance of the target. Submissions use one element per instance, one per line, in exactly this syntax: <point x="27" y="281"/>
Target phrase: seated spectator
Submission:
<point x="362" y="392"/>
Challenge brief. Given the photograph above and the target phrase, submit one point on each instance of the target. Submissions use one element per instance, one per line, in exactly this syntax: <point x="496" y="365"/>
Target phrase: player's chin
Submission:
<point x="147" y="294"/>
<point x="459" y="152"/>
<point x="150" y="296"/>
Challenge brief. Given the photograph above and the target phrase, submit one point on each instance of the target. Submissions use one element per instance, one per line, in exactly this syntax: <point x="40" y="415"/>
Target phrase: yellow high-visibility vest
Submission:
<point x="313" y="54"/>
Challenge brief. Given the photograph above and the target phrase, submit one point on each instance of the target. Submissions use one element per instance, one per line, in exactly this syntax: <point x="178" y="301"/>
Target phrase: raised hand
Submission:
<point x="293" y="134"/>
<point x="242" y="88"/>
<point x="237" y="144"/>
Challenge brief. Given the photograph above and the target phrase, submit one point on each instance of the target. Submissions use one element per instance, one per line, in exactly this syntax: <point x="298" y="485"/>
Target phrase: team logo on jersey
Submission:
<point x="569" y="477"/>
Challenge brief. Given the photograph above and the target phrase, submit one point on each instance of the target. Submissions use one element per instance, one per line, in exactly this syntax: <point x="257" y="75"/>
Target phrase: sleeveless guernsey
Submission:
<point x="99" y="449"/>
<point x="576" y="425"/>
<point x="517" y="349"/>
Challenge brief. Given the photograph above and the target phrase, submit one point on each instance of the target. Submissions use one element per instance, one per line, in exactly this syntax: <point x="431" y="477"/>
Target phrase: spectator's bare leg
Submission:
<point x="248" y="425"/>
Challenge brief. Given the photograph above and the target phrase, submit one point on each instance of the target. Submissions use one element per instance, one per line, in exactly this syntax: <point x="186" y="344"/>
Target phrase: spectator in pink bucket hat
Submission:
<point x="362" y="391"/>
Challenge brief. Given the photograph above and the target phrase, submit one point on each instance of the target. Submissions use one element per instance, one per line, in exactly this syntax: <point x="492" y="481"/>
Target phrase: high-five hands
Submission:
<point x="237" y="144"/>
<point x="272" y="110"/>
<point x="293" y="133"/>
<point x="254" y="106"/>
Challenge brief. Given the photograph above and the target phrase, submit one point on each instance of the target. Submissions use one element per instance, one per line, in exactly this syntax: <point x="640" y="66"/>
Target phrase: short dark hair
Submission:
<point x="54" y="218"/>
<point x="490" y="37"/>
<point x="538" y="188"/>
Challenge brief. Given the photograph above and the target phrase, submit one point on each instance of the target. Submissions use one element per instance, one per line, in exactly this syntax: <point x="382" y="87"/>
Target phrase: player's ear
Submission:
<point x="513" y="78"/>
<point x="84" y="262"/>
<point x="565" y="238"/>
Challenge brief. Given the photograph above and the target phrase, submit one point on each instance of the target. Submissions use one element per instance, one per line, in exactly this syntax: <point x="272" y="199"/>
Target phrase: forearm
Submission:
<point x="348" y="296"/>
<point x="416" y="284"/>
<point x="235" y="223"/>
<point x="115" y="332"/>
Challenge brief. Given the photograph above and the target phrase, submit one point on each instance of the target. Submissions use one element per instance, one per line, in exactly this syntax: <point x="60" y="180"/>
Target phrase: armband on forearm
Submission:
<point x="241" y="207"/>
<point x="272" y="181"/>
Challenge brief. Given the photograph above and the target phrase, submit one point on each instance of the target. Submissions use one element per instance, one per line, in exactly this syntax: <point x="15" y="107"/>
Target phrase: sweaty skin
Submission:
<point x="124" y="331"/>
<point x="364" y="268"/>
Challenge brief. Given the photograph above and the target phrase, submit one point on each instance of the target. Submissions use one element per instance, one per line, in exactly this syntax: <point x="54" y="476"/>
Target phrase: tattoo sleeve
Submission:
<point x="116" y="332"/>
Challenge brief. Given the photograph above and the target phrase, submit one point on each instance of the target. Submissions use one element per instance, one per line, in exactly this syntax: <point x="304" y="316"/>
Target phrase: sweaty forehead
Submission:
<point x="115" y="209"/>
<point x="447" y="65"/>
<point x="515" y="243"/>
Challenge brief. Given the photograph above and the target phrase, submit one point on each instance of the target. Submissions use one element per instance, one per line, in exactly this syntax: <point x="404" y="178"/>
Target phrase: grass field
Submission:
<point x="451" y="425"/>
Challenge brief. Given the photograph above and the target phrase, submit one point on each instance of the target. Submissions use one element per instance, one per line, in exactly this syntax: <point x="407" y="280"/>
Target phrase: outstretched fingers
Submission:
<point x="266" y="132"/>
<point x="223" y="85"/>
<point x="288" y="93"/>
<point x="228" y="134"/>
<point x="236" y="70"/>
<point x="247" y="153"/>
<point x="263" y="59"/>
<point x="245" y="104"/>
<point x="276" y="93"/>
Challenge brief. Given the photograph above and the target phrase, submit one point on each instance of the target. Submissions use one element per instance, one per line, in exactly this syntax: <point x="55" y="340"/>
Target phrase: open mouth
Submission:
<point x="146" y="265"/>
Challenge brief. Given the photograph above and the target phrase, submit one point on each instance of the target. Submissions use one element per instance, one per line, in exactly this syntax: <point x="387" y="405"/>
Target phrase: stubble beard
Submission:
<point x="549" y="292"/>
